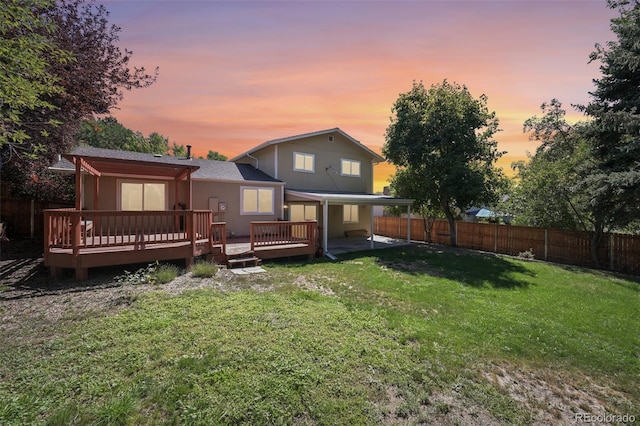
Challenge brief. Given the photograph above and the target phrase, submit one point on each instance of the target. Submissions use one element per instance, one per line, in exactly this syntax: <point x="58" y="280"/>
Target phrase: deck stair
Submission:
<point x="243" y="260"/>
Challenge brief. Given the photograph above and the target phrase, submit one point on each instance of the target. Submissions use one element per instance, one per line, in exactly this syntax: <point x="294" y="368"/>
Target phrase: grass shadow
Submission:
<point x="474" y="269"/>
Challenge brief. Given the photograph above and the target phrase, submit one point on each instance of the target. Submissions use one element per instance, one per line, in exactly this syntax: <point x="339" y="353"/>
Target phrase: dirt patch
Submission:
<point x="553" y="397"/>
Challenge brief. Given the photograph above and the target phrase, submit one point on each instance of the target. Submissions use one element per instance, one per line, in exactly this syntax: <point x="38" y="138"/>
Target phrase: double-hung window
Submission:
<point x="303" y="162"/>
<point x="349" y="167"/>
<point x="255" y="200"/>
<point x="139" y="196"/>
<point x="350" y="213"/>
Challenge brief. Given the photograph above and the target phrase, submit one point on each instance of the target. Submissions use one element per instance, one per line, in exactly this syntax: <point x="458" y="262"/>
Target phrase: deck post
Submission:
<point x="191" y="230"/>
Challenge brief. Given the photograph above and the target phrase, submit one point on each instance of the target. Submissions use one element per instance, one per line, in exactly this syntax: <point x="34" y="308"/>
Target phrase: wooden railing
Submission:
<point x="265" y="234"/>
<point x="77" y="229"/>
<point x="218" y="235"/>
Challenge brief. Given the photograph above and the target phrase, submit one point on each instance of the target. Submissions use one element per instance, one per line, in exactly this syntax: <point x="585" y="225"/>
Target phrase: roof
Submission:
<point x="163" y="165"/>
<point x="376" y="157"/>
<point x="348" y="198"/>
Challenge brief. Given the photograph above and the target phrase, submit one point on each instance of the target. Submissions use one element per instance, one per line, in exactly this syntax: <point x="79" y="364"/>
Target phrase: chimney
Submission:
<point x="188" y="152"/>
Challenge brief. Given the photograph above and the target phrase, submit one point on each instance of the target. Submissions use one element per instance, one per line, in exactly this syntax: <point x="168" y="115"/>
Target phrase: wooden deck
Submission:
<point x="81" y="240"/>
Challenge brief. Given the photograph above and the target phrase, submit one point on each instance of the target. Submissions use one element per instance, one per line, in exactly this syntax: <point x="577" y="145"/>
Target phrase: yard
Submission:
<point x="416" y="334"/>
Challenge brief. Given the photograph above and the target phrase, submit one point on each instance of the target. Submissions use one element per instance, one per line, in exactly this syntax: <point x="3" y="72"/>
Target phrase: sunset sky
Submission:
<point x="235" y="74"/>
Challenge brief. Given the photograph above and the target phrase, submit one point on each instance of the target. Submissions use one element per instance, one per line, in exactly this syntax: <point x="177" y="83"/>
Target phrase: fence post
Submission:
<point x="546" y="242"/>
<point x="495" y="238"/>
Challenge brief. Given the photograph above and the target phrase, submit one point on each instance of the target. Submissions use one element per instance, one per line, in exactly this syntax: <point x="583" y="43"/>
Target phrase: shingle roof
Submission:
<point x="375" y="156"/>
<point x="206" y="169"/>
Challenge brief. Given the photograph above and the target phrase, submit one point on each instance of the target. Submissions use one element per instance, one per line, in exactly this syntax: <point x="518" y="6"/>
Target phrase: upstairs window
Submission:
<point x="257" y="200"/>
<point x="304" y="162"/>
<point x="350" y="213"/>
<point x="140" y="196"/>
<point x="349" y="167"/>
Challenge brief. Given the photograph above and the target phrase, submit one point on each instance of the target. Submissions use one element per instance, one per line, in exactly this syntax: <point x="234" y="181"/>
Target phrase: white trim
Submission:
<point x="350" y="162"/>
<point x="362" y="199"/>
<point x="352" y="208"/>
<point x="119" y="183"/>
<point x="304" y="155"/>
<point x="257" y="213"/>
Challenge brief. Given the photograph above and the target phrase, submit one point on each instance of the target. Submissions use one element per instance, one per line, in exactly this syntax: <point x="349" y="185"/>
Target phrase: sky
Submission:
<point x="235" y="74"/>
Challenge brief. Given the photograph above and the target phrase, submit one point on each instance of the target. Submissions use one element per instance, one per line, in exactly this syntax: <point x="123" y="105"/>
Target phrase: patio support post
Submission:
<point x="78" y="184"/>
<point x="372" y="234"/>
<point x="325" y="226"/>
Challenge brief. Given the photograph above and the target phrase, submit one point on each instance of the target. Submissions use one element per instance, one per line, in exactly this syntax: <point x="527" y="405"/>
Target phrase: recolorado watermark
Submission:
<point x="604" y="418"/>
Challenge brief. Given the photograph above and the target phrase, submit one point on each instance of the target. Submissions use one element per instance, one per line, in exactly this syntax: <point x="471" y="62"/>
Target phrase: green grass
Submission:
<point x="392" y="336"/>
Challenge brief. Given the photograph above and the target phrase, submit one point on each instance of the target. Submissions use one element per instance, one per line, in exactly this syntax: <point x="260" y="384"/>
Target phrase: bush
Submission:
<point x="204" y="270"/>
<point x="153" y="273"/>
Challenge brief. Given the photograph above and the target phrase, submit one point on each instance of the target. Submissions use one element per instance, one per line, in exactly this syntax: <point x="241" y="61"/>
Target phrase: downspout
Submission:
<point x="254" y="158"/>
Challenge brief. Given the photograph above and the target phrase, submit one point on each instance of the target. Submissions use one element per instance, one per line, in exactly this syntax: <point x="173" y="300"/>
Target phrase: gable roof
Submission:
<point x="126" y="162"/>
<point x="376" y="157"/>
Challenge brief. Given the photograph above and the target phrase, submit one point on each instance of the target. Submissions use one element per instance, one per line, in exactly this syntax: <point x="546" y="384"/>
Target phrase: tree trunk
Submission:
<point x="596" y="239"/>
<point x="452" y="224"/>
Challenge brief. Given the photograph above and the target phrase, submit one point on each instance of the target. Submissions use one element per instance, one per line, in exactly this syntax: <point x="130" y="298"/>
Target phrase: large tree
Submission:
<point x="26" y="81"/>
<point x="548" y="193"/>
<point x="92" y="82"/>
<point x="614" y="138"/>
<point x="442" y="140"/>
<point x="108" y="133"/>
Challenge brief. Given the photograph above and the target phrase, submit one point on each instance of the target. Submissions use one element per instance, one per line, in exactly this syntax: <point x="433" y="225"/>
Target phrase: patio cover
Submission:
<point x="341" y="198"/>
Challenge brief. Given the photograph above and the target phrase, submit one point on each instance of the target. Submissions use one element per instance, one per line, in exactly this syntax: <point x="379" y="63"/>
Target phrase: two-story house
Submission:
<point x="133" y="207"/>
<point x="328" y="177"/>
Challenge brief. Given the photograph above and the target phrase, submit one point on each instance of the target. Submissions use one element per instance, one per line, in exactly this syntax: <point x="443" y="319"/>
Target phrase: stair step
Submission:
<point x="243" y="261"/>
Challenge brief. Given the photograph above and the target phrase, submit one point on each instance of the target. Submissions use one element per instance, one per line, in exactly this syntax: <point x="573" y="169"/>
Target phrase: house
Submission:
<point x="133" y="207"/>
<point x="328" y="177"/>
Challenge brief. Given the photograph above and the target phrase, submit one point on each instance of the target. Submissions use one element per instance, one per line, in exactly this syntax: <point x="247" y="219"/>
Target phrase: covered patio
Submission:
<point x="335" y="245"/>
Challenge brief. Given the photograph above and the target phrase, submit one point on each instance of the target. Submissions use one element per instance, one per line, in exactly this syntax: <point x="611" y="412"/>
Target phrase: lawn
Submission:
<point x="399" y="336"/>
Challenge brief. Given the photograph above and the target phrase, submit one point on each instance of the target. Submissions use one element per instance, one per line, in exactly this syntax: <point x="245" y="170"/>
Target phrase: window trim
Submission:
<point x="305" y="155"/>
<point x="353" y="207"/>
<point x="142" y="182"/>
<point x="258" y="212"/>
<point x="350" y="162"/>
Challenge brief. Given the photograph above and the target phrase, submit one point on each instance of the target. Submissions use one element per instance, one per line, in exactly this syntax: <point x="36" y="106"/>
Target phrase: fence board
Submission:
<point x="617" y="252"/>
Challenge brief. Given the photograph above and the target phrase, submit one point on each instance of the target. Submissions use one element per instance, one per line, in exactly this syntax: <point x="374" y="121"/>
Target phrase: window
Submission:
<point x="302" y="212"/>
<point x="256" y="200"/>
<point x="304" y="162"/>
<point x="139" y="196"/>
<point x="349" y="167"/>
<point x="350" y="213"/>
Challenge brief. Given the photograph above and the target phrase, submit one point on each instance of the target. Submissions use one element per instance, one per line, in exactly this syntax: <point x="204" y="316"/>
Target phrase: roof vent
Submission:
<point x="157" y="155"/>
<point x="330" y="138"/>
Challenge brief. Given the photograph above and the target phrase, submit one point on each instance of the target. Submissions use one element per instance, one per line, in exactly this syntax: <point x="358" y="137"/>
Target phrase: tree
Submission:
<point x="441" y="139"/>
<point x="108" y="133"/>
<point x="614" y="138"/>
<point x="26" y="83"/>
<point x="93" y="82"/>
<point x="547" y="193"/>
<point x="178" y="150"/>
<point x="215" y="155"/>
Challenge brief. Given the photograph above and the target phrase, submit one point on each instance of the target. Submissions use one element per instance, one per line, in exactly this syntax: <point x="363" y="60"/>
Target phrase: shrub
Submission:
<point x="204" y="270"/>
<point x="153" y="273"/>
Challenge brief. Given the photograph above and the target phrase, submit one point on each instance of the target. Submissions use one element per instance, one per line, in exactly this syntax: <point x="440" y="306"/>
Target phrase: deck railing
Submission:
<point x="79" y="229"/>
<point x="265" y="234"/>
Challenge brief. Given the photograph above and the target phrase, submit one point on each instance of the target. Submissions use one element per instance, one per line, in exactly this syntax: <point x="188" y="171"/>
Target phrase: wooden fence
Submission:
<point x="618" y="252"/>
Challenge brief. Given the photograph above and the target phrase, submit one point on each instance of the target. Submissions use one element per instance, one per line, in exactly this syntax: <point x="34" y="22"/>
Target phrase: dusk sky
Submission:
<point x="235" y="74"/>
